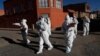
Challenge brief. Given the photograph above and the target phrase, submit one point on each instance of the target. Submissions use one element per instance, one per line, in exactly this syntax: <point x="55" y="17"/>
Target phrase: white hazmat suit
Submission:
<point x="24" y="31"/>
<point x="47" y="20"/>
<point x="44" y="36"/>
<point x="86" y="22"/>
<point x="68" y="28"/>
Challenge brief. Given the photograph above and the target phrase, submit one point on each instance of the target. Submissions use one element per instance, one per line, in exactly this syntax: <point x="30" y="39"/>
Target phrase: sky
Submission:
<point x="94" y="4"/>
<point x="1" y="4"/>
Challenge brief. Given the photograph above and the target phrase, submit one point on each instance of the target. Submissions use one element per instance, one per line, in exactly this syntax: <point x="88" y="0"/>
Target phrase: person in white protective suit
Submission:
<point x="47" y="20"/>
<point x="24" y="31"/>
<point x="86" y="22"/>
<point x="68" y="29"/>
<point x="44" y="35"/>
<point x="76" y="23"/>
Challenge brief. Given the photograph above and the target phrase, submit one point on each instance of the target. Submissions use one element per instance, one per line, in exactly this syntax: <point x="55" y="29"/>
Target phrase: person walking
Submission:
<point x="68" y="29"/>
<point x="43" y="34"/>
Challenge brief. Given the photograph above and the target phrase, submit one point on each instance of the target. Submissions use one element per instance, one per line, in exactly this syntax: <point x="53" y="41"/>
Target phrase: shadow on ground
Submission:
<point x="21" y="44"/>
<point x="33" y="47"/>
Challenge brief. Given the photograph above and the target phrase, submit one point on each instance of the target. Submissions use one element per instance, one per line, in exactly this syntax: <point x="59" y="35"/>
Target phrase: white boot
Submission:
<point x="87" y="33"/>
<point x="39" y="52"/>
<point x="84" y="34"/>
<point x="50" y="48"/>
<point x="28" y="41"/>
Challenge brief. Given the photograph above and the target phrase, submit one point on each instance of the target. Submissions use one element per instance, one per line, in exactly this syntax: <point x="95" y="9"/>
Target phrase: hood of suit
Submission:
<point x="24" y="21"/>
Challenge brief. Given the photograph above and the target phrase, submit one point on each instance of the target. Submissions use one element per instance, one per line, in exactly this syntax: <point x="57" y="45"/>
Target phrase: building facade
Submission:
<point x="15" y="10"/>
<point x="81" y="9"/>
<point x="32" y="9"/>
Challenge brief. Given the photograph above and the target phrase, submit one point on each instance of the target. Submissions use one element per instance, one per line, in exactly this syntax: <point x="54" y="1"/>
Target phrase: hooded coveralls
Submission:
<point x="24" y="31"/>
<point x="68" y="29"/>
<point x="44" y="35"/>
<point x="86" y="29"/>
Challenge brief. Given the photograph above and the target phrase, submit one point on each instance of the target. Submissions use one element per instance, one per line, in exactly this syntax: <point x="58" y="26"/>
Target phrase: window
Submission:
<point x="45" y="15"/>
<point x="51" y="3"/>
<point x="58" y="3"/>
<point x="46" y="3"/>
<point x="43" y="3"/>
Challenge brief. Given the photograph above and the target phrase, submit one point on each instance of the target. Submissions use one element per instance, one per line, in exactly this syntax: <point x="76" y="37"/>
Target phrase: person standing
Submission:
<point x="86" y="24"/>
